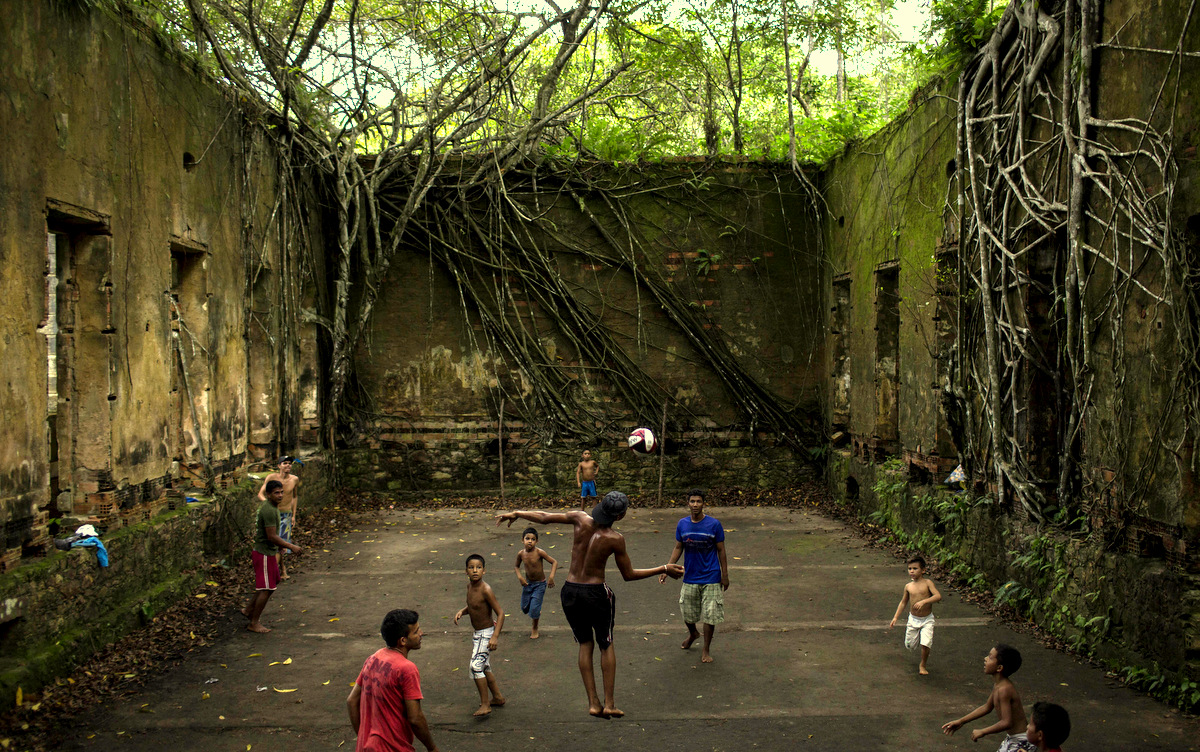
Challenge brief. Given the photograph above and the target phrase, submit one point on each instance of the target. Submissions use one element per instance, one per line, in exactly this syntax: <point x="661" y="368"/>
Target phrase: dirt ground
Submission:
<point x="804" y="657"/>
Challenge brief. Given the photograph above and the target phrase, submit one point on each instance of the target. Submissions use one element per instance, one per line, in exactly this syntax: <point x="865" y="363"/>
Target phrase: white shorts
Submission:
<point x="481" y="657"/>
<point x="1017" y="743"/>
<point x="919" y="627"/>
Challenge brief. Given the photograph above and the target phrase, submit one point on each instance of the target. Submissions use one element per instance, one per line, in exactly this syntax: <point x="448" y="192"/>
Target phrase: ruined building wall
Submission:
<point x="738" y="241"/>
<point x="139" y="207"/>
<point x="151" y="196"/>
<point x="1125" y="583"/>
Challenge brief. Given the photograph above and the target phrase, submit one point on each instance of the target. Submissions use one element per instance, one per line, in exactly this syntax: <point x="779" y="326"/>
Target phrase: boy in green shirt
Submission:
<point x="266" y="545"/>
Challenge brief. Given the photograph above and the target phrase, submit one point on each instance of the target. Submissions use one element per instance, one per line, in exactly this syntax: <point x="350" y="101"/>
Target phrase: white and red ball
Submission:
<point x="641" y="440"/>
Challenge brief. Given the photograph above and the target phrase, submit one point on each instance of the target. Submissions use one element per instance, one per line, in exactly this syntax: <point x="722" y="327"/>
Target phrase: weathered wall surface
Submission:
<point x="138" y="210"/>
<point x="152" y="195"/>
<point x="1132" y="594"/>
<point x="61" y="608"/>
<point x="738" y="242"/>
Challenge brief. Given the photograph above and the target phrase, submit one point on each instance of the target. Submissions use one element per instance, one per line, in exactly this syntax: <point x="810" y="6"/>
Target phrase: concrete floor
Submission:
<point x="803" y="658"/>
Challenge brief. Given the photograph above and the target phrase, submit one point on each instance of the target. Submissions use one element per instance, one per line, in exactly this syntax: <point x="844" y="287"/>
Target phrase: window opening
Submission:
<point x="887" y="356"/>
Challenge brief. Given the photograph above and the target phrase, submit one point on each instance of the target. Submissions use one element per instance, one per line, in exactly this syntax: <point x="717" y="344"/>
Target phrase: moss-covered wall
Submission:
<point x="157" y="198"/>
<point x="59" y="609"/>
<point x="892" y="210"/>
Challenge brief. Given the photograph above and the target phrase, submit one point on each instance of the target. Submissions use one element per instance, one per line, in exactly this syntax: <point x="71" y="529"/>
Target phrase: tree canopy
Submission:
<point x="605" y="79"/>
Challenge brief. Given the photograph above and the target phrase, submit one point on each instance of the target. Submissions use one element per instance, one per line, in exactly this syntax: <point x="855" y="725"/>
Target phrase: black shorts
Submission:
<point x="590" y="609"/>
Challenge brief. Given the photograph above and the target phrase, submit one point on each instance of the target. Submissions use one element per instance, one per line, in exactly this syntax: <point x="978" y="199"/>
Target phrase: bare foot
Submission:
<point x="597" y="713"/>
<point x="498" y="701"/>
<point x="613" y="712"/>
<point x="285" y="576"/>
<point x="256" y="627"/>
<point x="483" y="710"/>
<point x="690" y="639"/>
<point x="534" y="635"/>
<point x="923" y="671"/>
<point x="705" y="658"/>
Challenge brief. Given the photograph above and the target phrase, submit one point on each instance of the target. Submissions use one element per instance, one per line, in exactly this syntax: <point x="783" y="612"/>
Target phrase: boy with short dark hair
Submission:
<point x="585" y="477"/>
<point x="287" y="508"/>
<point x="1049" y="726"/>
<point x="385" y="704"/>
<point x="700" y="539"/>
<point x="534" y="582"/>
<point x="481" y="603"/>
<point x="922" y="593"/>
<point x="1000" y="663"/>
<point x="265" y="555"/>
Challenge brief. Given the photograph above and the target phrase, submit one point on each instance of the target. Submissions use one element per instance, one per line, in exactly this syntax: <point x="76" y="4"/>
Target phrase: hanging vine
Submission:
<point x="1065" y="220"/>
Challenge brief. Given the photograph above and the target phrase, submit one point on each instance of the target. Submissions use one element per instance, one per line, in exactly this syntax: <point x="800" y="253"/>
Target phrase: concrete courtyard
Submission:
<point x="804" y="658"/>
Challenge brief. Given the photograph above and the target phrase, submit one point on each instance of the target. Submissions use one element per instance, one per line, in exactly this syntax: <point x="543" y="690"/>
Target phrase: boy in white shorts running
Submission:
<point x="923" y="594"/>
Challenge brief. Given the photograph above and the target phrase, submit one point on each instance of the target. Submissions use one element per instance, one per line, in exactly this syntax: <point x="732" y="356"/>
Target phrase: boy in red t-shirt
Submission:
<point x="385" y="704"/>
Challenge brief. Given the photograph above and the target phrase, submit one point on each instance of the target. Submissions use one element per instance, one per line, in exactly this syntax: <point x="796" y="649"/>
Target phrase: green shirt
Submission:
<point x="268" y="516"/>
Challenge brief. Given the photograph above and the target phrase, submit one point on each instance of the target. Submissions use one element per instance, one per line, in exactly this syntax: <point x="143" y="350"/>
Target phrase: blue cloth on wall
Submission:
<point x="96" y="543"/>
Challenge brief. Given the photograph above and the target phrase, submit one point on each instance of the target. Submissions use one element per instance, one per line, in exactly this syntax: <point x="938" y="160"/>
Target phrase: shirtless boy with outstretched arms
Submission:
<point x="1000" y="663"/>
<point x="587" y="602"/>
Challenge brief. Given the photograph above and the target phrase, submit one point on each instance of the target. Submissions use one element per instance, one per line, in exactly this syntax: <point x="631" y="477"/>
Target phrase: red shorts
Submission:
<point x="266" y="571"/>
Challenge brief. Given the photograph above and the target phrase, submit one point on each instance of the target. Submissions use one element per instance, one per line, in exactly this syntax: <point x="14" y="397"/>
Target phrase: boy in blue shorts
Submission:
<point x="701" y="540"/>
<point x="585" y="477"/>
<point x="534" y="582"/>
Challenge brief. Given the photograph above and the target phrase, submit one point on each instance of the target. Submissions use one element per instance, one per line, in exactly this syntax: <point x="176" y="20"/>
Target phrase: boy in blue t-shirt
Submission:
<point x="701" y="540"/>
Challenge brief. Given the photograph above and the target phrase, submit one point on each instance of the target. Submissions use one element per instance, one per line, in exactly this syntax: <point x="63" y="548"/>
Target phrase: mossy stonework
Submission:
<point x="1114" y="565"/>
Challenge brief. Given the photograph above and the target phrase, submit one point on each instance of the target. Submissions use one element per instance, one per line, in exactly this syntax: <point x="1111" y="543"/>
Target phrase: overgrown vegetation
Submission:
<point x="1044" y="564"/>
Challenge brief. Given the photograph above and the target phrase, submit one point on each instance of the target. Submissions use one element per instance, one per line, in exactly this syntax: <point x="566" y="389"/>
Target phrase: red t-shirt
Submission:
<point x="387" y="679"/>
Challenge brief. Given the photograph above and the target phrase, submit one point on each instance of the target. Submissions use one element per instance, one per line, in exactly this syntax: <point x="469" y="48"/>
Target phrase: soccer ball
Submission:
<point x="641" y="440"/>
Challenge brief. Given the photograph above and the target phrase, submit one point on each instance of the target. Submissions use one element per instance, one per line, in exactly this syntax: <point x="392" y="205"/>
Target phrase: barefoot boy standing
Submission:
<point x="534" y="582"/>
<point x="700" y="538"/>
<point x="922" y="593"/>
<point x="1000" y="663"/>
<point x="481" y="603"/>
<point x="266" y="549"/>
<point x="585" y="477"/>
<point x="287" y="507"/>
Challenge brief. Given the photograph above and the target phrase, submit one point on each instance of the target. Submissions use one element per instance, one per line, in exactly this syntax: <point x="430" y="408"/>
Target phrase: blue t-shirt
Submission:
<point x="700" y="539"/>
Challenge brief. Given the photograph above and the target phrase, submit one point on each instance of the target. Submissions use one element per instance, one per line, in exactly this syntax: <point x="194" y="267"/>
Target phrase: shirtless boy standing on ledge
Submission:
<point x="588" y="603"/>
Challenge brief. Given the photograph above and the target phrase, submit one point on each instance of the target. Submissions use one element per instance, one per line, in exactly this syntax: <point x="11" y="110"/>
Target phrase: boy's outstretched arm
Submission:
<point x="420" y="726"/>
<point x="1003" y="709"/>
<point x="262" y="490"/>
<point x="675" y="554"/>
<point x="900" y="608"/>
<point x="542" y="518"/>
<point x="979" y="712"/>
<point x="490" y="597"/>
<point x="629" y="573"/>
<point x="553" y="567"/>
